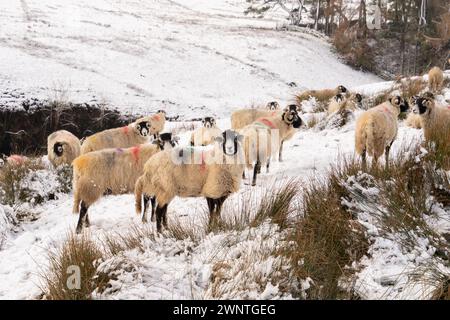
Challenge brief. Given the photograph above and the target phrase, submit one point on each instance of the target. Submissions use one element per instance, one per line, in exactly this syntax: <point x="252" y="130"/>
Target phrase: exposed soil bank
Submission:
<point x="24" y="130"/>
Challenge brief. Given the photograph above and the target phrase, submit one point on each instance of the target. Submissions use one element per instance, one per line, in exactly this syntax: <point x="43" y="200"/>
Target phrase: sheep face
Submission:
<point x="143" y="128"/>
<point x="273" y="105"/>
<point x="58" y="149"/>
<point x="399" y="102"/>
<point x="291" y="117"/>
<point x="209" y="122"/>
<point x="230" y="142"/>
<point x="341" y="89"/>
<point x="166" y="141"/>
<point x="338" y="98"/>
<point x="422" y="105"/>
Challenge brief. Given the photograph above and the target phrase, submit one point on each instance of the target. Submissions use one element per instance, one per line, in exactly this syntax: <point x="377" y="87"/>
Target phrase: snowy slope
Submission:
<point x="186" y="56"/>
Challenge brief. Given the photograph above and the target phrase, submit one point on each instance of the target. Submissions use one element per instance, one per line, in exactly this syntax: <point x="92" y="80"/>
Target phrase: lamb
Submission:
<point x="259" y="138"/>
<point x="244" y="117"/>
<point x="434" y="117"/>
<point x="131" y="135"/>
<point x="376" y="129"/>
<point x="206" y="134"/>
<point x="320" y="95"/>
<point x="112" y="171"/>
<point x="62" y="148"/>
<point x="435" y="79"/>
<point x="215" y="177"/>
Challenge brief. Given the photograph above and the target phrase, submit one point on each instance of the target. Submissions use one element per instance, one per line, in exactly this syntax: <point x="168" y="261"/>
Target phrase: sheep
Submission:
<point x="62" y="148"/>
<point x="110" y="170"/>
<point x="435" y="79"/>
<point x="131" y="135"/>
<point x="320" y="95"/>
<point x="259" y="137"/>
<point x="206" y="134"/>
<point x="341" y="102"/>
<point x="215" y="177"/>
<point x="244" y="117"/>
<point x="15" y="160"/>
<point x="433" y="117"/>
<point x="376" y="129"/>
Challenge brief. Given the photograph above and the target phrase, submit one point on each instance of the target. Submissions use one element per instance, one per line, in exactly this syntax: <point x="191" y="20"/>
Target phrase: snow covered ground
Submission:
<point x="188" y="57"/>
<point x="193" y="58"/>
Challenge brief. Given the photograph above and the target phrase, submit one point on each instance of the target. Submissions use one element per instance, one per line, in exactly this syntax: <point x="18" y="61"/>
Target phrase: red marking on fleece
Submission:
<point x="267" y="123"/>
<point x="135" y="152"/>
<point x="125" y="129"/>
<point x="203" y="165"/>
<point x="16" y="159"/>
<point x="155" y="117"/>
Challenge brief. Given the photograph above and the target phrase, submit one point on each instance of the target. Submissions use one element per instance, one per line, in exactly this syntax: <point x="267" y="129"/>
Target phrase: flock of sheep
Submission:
<point x="126" y="160"/>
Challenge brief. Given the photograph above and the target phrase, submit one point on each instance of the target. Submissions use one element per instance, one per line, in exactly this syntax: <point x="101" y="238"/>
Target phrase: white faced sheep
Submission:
<point x="376" y="129"/>
<point x="112" y="171"/>
<point x="435" y="79"/>
<point x="244" y="117"/>
<point x="320" y="95"/>
<point x="215" y="176"/>
<point x="434" y="118"/>
<point x="62" y="148"/>
<point x="206" y="134"/>
<point x="133" y="134"/>
<point x="260" y="138"/>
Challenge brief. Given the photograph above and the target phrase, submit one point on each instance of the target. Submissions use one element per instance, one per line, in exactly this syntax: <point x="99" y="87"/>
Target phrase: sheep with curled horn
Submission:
<point x="266" y="135"/>
<point x="376" y="129"/>
<point x="133" y="134"/>
<point x="244" y="117"/>
<point x="62" y="148"/>
<point x="215" y="176"/>
<point x="320" y="95"/>
<point x="112" y="171"/>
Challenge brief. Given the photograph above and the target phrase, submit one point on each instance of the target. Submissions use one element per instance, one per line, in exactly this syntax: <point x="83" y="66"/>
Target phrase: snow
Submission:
<point x="194" y="58"/>
<point x="140" y="56"/>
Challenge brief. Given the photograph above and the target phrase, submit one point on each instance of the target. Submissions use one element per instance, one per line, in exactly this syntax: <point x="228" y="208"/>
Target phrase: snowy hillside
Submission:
<point x="188" y="57"/>
<point x="192" y="58"/>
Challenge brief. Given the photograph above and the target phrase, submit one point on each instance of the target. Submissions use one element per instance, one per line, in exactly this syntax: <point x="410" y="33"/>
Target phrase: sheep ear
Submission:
<point x="240" y="137"/>
<point x="218" y="139"/>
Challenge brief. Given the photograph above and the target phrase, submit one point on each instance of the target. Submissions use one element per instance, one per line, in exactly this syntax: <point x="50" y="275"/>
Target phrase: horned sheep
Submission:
<point x="215" y="177"/>
<point x="62" y="148"/>
<point x="131" y="135"/>
<point x="112" y="171"/>
<point x="259" y="139"/>
<point x="244" y="117"/>
<point x="434" y="117"/>
<point x="376" y="129"/>
<point x="320" y="95"/>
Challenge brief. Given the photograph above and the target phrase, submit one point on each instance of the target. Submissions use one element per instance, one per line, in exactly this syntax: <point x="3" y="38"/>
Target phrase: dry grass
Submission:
<point x="79" y="252"/>
<point x="11" y="176"/>
<point x="410" y="87"/>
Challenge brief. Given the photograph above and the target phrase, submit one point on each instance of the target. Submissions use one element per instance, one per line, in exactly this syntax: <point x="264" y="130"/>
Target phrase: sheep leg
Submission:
<point x="267" y="166"/>
<point x="160" y="212"/>
<point x="386" y="154"/>
<point x="87" y="223"/>
<point x="164" y="217"/>
<point x="280" y="151"/>
<point x="153" y="201"/>
<point x="83" y="213"/>
<point x="256" y="169"/>
<point x="211" y="205"/>
<point x="364" y="160"/>
<point x="219" y="204"/>
<point x="144" y="215"/>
